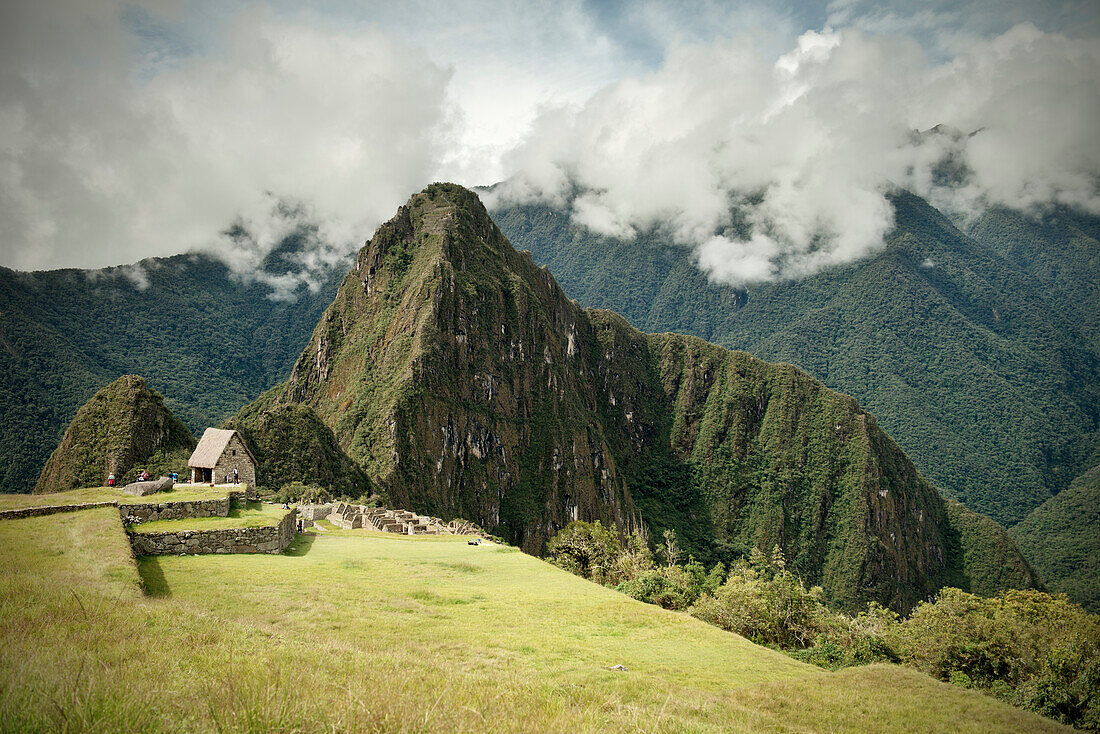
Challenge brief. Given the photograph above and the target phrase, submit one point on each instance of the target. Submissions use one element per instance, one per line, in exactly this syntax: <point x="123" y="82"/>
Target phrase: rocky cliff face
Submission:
<point x="458" y="374"/>
<point x="461" y="378"/>
<point x="125" y="426"/>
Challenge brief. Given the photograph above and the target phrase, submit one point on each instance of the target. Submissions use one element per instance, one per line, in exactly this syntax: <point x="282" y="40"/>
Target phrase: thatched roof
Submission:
<point x="211" y="446"/>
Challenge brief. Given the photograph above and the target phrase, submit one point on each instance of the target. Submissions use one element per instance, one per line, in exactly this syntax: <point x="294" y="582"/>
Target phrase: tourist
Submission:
<point x="236" y="477"/>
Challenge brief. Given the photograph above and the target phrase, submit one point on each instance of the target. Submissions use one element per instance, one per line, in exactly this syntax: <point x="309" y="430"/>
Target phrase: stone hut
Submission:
<point x="220" y="452"/>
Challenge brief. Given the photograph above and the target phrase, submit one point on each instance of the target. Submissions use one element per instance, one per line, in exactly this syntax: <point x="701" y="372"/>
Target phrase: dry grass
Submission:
<point x="355" y="631"/>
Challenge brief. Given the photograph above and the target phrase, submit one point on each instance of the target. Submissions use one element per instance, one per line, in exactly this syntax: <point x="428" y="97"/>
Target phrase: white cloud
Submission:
<point x="129" y="130"/>
<point x="806" y="146"/>
<point x="101" y="164"/>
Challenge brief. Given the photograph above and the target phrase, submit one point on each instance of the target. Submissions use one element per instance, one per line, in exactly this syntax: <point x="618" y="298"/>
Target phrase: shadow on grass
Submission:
<point x="301" y="544"/>
<point x="153" y="582"/>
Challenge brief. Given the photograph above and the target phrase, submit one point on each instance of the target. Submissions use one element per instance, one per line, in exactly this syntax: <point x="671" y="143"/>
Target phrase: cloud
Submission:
<point x="135" y="129"/>
<point x="775" y="168"/>
<point x="285" y="247"/>
<point x="115" y="149"/>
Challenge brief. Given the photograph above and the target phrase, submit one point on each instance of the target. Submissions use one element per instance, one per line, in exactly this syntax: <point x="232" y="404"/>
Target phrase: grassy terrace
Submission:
<point x="354" y="631"/>
<point x="180" y="493"/>
<point x="258" y="515"/>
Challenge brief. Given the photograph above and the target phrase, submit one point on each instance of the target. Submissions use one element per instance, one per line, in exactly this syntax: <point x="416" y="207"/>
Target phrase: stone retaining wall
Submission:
<point x="271" y="539"/>
<point x="315" y="512"/>
<point x="51" y="509"/>
<point x="150" y="511"/>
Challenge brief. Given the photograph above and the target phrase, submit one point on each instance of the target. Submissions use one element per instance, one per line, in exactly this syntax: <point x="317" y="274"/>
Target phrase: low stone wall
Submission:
<point x="51" y="509"/>
<point x="241" y="498"/>
<point x="315" y="512"/>
<point x="150" y="511"/>
<point x="272" y="539"/>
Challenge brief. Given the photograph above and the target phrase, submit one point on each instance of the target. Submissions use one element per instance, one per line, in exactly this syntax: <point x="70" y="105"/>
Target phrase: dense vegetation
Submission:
<point x="466" y="384"/>
<point x="1026" y="647"/>
<point x="291" y="444"/>
<point x="123" y="429"/>
<point x="210" y="341"/>
<point x="980" y="354"/>
<point x="1062" y="540"/>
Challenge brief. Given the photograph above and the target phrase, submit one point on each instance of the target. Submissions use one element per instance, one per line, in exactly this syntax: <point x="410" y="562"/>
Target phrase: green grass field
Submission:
<point x="180" y="493"/>
<point x="359" y="631"/>
<point x="258" y="515"/>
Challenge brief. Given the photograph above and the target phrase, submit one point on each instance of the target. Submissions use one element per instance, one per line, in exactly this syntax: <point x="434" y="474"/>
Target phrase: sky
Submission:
<point x="131" y="130"/>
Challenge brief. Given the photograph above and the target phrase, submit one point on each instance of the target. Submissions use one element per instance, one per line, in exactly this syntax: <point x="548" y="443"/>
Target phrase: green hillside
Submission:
<point x="353" y="631"/>
<point x="124" y="428"/>
<point x="291" y="444"/>
<point x="1061" y="538"/>
<point x="466" y="384"/>
<point x="210" y="342"/>
<point x="978" y="354"/>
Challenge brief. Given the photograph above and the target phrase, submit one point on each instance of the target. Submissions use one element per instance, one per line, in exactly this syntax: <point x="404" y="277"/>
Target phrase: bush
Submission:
<point x="302" y="494"/>
<point x="597" y="553"/>
<point x="1043" y="646"/>
<point x="777" y="611"/>
<point x="674" y="587"/>
<point x="844" y="641"/>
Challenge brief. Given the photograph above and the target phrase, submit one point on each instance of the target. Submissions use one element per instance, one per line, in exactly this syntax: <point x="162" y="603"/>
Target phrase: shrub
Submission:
<point x="596" y="553"/>
<point x="768" y="608"/>
<point x="300" y="493"/>
<point x="1043" y="646"/>
<point x="674" y="587"/>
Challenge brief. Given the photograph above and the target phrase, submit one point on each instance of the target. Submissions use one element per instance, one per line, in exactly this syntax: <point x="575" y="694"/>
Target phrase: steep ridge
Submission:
<point x="466" y="384"/>
<point x="125" y="426"/>
<point x="449" y="366"/>
<point x="979" y="354"/>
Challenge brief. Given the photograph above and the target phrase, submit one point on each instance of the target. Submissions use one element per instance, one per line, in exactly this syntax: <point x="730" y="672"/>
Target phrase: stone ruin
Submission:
<point x="348" y="516"/>
<point x="142" y="489"/>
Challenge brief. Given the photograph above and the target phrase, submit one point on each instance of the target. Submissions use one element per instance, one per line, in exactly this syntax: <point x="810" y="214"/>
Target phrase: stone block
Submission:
<point x="141" y="489"/>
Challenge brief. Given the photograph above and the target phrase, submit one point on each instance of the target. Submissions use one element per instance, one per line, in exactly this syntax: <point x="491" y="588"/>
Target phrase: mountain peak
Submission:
<point x="124" y="424"/>
<point x="461" y="378"/>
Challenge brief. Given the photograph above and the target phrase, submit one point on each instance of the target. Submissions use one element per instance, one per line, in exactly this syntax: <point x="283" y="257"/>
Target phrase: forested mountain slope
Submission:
<point x="1062" y="539"/>
<point x="979" y="354"/>
<point x="208" y="341"/>
<point x="123" y="428"/>
<point x="466" y="384"/>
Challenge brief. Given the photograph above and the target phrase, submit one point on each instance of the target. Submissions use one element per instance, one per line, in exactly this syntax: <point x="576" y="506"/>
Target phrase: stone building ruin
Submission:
<point x="220" y="452"/>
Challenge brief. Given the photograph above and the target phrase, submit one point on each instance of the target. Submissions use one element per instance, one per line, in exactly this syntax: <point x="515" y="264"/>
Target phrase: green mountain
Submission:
<point x="466" y="383"/>
<point x="979" y="353"/>
<point x="209" y="340"/>
<point x="1062" y="539"/>
<point x="291" y="443"/>
<point x="124" y="427"/>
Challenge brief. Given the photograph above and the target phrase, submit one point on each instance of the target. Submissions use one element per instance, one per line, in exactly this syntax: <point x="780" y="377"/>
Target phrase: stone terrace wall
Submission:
<point x="150" y="511"/>
<point x="146" y="511"/>
<point x="51" y="509"/>
<point x="272" y="539"/>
